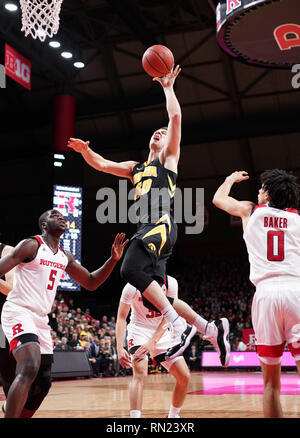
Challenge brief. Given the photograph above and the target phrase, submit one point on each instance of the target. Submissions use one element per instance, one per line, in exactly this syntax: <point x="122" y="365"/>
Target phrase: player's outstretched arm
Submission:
<point x="7" y="284"/>
<point x="92" y="280"/>
<point x="225" y="202"/>
<point x="169" y="156"/>
<point x="123" y="169"/>
<point x="123" y="355"/>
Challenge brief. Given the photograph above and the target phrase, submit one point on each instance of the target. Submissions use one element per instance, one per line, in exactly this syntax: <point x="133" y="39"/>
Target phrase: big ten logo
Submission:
<point x="17" y="67"/>
<point x="2" y="76"/>
<point x="296" y="78"/>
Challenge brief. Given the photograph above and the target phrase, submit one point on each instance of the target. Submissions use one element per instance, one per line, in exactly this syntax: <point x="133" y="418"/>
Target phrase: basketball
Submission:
<point x="158" y="60"/>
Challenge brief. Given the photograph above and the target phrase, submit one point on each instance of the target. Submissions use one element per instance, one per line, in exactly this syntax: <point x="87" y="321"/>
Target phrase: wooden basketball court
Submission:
<point x="211" y="395"/>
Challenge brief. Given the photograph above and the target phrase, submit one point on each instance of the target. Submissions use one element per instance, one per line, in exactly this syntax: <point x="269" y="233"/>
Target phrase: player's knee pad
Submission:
<point x="39" y="388"/>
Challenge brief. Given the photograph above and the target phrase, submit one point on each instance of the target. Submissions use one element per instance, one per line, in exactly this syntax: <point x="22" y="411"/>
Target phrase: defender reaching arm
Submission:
<point x="7" y="284"/>
<point x="232" y="206"/>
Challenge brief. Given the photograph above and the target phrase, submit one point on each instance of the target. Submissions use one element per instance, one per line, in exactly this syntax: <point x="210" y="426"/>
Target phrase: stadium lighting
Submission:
<point x="79" y="64"/>
<point x="11" y="7"/>
<point x="66" y="55"/>
<point x="57" y="163"/>
<point x="54" y="44"/>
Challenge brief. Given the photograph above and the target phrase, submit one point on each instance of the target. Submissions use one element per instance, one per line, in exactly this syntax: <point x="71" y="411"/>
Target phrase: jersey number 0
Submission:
<point x="275" y="245"/>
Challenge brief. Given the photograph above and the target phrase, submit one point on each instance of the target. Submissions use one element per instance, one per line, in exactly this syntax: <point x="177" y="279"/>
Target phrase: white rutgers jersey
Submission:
<point x="272" y="238"/>
<point x="35" y="282"/>
<point x="141" y="315"/>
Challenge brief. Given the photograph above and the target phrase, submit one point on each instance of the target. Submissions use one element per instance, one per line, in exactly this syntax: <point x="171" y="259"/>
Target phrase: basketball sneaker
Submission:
<point x="181" y="335"/>
<point x="217" y="332"/>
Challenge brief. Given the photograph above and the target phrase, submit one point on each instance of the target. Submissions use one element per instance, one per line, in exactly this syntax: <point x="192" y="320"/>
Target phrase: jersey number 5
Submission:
<point x="52" y="279"/>
<point x="275" y="246"/>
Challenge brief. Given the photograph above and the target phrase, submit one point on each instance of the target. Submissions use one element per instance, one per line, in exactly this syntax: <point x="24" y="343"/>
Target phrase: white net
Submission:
<point x="40" y="18"/>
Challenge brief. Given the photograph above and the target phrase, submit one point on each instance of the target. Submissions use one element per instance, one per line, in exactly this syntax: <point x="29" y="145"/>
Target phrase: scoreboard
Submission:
<point x="68" y="200"/>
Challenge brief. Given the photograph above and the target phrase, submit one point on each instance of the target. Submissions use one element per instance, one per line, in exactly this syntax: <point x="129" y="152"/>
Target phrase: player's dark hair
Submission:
<point x="43" y="218"/>
<point x="282" y="188"/>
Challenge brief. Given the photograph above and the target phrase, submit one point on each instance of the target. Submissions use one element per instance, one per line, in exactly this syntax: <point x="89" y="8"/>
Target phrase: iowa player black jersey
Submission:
<point x="155" y="189"/>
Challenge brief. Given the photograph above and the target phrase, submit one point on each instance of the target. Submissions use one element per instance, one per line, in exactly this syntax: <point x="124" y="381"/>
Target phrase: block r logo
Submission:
<point x="17" y="329"/>
<point x="2" y="76"/>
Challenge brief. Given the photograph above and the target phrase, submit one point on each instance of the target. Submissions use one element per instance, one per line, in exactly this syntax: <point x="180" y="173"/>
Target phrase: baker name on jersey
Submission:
<point x="275" y="222"/>
<point x="149" y="171"/>
<point x="52" y="264"/>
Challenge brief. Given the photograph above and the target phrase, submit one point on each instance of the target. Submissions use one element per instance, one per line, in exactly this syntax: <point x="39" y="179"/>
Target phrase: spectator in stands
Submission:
<point x="74" y="343"/>
<point x="104" y="320"/>
<point x="60" y="330"/>
<point x="71" y="304"/>
<point x="194" y="358"/>
<point x="96" y="356"/>
<point x="83" y="340"/>
<point x="112" y="323"/>
<point x="239" y="345"/>
<point x="110" y="355"/>
<point x="88" y="315"/>
<point x="63" y="345"/>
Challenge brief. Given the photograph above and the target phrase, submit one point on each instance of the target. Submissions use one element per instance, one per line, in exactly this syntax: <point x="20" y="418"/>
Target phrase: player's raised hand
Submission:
<point x="238" y="176"/>
<point x="124" y="358"/>
<point x="169" y="79"/>
<point x="118" y="246"/>
<point x="78" y="145"/>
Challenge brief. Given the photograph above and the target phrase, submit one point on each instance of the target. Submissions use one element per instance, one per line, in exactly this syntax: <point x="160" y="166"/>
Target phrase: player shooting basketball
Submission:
<point x="144" y="265"/>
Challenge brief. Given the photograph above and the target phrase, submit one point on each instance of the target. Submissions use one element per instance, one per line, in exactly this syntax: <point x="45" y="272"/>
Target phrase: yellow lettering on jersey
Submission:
<point x="142" y="188"/>
<point x="160" y="229"/>
<point x="137" y="177"/>
<point x="148" y="171"/>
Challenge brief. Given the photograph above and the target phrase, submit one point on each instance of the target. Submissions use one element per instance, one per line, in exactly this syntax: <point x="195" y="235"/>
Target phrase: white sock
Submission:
<point x="201" y="324"/>
<point x="169" y="313"/>
<point x="135" y="413"/>
<point x="173" y="412"/>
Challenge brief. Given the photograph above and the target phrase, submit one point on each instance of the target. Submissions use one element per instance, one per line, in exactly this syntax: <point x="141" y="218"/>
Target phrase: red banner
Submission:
<point x="248" y="336"/>
<point x="17" y="67"/>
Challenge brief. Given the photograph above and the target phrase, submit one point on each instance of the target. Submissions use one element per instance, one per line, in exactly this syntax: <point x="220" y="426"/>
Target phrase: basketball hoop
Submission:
<point x="40" y="18"/>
